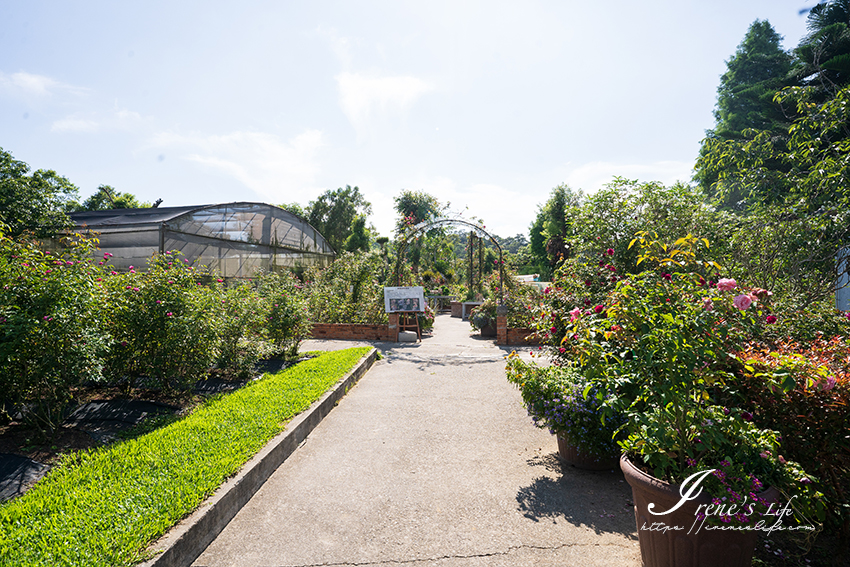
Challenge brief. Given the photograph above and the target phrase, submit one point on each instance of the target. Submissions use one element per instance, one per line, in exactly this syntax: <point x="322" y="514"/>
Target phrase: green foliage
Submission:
<point x="163" y="324"/>
<point x="347" y="291"/>
<point x="753" y="76"/>
<point x="106" y="197"/>
<point x="358" y="240"/>
<point x="811" y="413"/>
<point x="104" y="507"/>
<point x="34" y="203"/>
<point x="52" y="327"/>
<point x="798" y="201"/>
<point x="287" y="322"/>
<point x="658" y="351"/>
<point x="414" y="207"/>
<point x="242" y="333"/>
<point x="334" y="213"/>
<point x="823" y="55"/>
<point x="555" y="399"/>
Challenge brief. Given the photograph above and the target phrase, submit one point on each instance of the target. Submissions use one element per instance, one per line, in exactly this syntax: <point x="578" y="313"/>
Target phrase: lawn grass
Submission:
<point x="105" y="506"/>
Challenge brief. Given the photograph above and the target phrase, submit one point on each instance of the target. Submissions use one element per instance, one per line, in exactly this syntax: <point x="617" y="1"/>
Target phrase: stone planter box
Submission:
<point x="457" y="309"/>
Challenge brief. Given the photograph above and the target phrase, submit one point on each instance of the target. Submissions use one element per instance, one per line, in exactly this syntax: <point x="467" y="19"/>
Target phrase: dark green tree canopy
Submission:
<point x="333" y="214"/>
<point x="34" y="203"/>
<point x="823" y="55"/>
<point x="757" y="70"/>
<point x="107" y="198"/>
<point x="414" y="207"/>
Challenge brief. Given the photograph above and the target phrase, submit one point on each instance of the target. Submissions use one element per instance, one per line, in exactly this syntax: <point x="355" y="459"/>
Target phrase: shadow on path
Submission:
<point x="599" y="500"/>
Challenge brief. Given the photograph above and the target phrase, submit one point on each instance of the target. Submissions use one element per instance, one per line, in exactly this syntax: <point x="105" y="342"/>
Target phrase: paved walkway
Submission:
<point x="431" y="460"/>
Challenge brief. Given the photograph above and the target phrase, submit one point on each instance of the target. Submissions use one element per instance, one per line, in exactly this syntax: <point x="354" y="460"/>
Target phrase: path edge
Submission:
<point x="185" y="542"/>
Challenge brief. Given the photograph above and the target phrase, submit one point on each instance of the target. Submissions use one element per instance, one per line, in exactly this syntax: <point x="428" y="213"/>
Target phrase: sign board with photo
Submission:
<point x="404" y="299"/>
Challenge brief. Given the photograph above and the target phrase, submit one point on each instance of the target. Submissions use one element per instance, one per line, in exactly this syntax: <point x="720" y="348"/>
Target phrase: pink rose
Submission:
<point x="598" y="308"/>
<point x="742" y="302"/>
<point x="575" y="314"/>
<point x="726" y="284"/>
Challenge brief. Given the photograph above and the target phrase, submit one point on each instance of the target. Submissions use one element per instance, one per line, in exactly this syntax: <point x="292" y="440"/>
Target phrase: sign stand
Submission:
<point x="408" y="321"/>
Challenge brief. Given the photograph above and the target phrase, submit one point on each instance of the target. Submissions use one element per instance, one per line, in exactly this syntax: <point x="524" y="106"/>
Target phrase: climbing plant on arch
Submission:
<point x="424" y="226"/>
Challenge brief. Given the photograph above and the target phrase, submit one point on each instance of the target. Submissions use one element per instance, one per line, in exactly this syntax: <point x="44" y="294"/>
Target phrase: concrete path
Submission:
<point x="431" y="460"/>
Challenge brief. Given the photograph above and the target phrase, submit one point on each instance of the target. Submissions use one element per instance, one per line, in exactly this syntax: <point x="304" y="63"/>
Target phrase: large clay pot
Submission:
<point x="678" y="548"/>
<point x="572" y="456"/>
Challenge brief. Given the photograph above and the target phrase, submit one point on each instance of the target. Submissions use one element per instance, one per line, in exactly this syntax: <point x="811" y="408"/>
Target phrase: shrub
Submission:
<point x="163" y="324"/>
<point x="286" y="322"/>
<point x="347" y="291"/>
<point x="52" y="327"/>
<point x="804" y="393"/>
<point x="242" y="333"/>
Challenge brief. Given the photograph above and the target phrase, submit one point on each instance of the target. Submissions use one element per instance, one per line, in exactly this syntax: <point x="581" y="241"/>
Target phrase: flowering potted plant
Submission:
<point x="554" y="397"/>
<point x="657" y="351"/>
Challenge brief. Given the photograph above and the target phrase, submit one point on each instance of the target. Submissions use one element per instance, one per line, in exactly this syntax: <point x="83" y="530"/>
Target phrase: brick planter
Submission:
<point x="457" y="309"/>
<point x="351" y="332"/>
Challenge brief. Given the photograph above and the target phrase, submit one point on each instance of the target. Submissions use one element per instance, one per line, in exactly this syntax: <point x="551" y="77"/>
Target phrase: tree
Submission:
<point x="295" y="209"/>
<point x="106" y="197"/>
<point x="359" y="238"/>
<point x="334" y="213"/>
<point x="801" y="209"/>
<point x="823" y="55"/>
<point x="414" y="207"/>
<point x="754" y="74"/>
<point x="551" y="229"/>
<point x="34" y="203"/>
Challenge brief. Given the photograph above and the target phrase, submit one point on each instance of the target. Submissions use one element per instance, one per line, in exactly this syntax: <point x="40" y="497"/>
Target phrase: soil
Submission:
<point x="20" y="439"/>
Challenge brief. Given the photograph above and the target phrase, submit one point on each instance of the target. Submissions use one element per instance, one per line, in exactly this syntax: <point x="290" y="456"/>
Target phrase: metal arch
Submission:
<point x="427" y="225"/>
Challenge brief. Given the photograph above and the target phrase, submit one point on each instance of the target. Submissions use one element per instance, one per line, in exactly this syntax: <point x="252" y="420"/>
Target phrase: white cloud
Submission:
<point x="367" y="98"/>
<point x="94" y="122"/>
<point x="281" y="171"/>
<point x="591" y="177"/>
<point x="29" y="84"/>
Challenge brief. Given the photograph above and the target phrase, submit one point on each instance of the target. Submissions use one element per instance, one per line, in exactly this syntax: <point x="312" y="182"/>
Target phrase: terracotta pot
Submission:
<point x="571" y="456"/>
<point x="678" y="548"/>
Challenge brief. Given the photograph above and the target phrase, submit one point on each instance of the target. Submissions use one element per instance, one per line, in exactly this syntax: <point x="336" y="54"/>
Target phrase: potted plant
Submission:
<point x="657" y="350"/>
<point x="484" y="320"/>
<point x="554" y="397"/>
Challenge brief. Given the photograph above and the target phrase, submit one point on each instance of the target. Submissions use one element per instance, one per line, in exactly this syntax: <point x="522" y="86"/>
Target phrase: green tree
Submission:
<point x="797" y="215"/>
<point x="359" y="237"/>
<point x="754" y="74"/>
<point x="334" y="212"/>
<point x="823" y="55"/>
<point x="551" y="230"/>
<point x="34" y="203"/>
<point x="106" y="197"/>
<point x="414" y="207"/>
<point x="745" y="98"/>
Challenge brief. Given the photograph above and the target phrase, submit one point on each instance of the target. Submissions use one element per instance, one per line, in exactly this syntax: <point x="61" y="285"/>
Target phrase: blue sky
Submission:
<point x="487" y="105"/>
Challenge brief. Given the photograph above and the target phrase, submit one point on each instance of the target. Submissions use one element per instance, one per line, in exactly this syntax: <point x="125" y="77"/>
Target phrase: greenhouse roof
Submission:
<point x="235" y="239"/>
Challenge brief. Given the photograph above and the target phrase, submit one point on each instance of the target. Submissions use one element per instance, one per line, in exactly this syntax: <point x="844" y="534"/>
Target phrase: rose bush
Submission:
<point x="658" y="354"/>
<point x="52" y="324"/>
<point x="163" y="324"/>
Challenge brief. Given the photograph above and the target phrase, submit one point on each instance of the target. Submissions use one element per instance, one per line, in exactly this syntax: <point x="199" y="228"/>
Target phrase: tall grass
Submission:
<point x="104" y="507"/>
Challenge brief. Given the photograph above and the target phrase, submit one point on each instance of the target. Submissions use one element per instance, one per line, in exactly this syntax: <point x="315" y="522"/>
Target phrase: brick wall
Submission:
<point x="518" y="337"/>
<point x="350" y="332"/>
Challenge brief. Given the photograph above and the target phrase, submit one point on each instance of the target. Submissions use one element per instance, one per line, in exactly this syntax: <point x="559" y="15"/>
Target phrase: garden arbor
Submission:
<point x="475" y="230"/>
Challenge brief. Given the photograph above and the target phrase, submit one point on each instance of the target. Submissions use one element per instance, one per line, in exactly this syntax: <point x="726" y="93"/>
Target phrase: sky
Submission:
<point x="485" y="105"/>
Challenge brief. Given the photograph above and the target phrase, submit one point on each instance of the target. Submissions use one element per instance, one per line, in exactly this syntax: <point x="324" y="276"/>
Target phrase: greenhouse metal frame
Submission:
<point x="233" y="239"/>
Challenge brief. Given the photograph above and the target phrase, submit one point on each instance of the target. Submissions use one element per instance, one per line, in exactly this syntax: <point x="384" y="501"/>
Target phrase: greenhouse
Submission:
<point x="233" y="239"/>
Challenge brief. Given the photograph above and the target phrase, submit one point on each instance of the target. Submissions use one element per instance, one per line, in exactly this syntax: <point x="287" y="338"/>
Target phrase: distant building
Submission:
<point x="233" y="239"/>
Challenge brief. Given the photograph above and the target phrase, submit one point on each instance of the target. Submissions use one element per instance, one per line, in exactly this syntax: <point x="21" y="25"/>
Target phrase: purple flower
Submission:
<point x="746" y="416"/>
